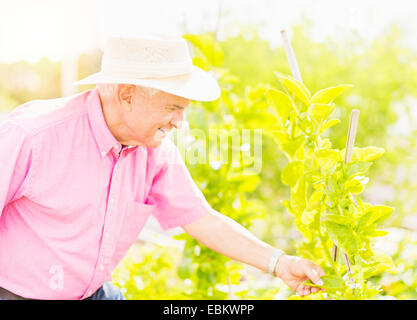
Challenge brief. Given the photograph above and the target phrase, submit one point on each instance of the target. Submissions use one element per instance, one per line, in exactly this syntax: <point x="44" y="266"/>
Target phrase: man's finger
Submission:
<point x="314" y="290"/>
<point x="303" y="292"/>
<point x="319" y="270"/>
<point x="314" y="275"/>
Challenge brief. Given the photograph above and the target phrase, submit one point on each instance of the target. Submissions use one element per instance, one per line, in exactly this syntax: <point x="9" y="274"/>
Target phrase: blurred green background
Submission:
<point x="383" y="70"/>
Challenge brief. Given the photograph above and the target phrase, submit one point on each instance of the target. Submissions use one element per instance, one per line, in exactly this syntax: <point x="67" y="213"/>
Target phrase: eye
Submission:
<point x="174" y="108"/>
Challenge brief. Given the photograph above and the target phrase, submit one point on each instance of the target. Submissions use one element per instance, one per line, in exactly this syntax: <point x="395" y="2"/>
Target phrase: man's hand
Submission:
<point x="294" y="271"/>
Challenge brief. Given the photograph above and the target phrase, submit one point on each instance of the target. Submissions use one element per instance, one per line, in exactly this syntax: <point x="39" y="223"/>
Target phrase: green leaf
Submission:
<point x="327" y="158"/>
<point x="367" y="154"/>
<point x="329" y="94"/>
<point x="372" y="216"/>
<point x="317" y="182"/>
<point x="308" y="217"/>
<point x="378" y="233"/>
<point x="330" y="282"/>
<point x="305" y="123"/>
<point x="333" y="282"/>
<point x="305" y="230"/>
<point x="328" y="124"/>
<point x="336" y="218"/>
<point x="292" y="173"/>
<point x="298" y="196"/>
<point x="356" y="168"/>
<point x="320" y="112"/>
<point x="383" y="263"/>
<point x="343" y="236"/>
<point x="333" y="182"/>
<point x="295" y="88"/>
<point x="282" y="103"/>
<point x="291" y="146"/>
<point x="324" y="143"/>
<point x="315" y="199"/>
<point x="356" y="184"/>
<point x="300" y="154"/>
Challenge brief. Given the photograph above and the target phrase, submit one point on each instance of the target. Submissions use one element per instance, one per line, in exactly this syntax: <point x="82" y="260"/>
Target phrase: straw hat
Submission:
<point x="159" y="62"/>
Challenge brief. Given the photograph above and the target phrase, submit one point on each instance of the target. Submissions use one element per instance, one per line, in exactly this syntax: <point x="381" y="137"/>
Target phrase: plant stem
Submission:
<point x="328" y="255"/>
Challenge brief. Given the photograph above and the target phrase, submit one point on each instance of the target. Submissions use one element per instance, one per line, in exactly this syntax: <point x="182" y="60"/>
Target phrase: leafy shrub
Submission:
<point x="325" y="190"/>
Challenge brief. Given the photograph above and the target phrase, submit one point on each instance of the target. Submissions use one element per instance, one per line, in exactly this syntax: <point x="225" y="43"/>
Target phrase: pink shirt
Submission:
<point x="72" y="200"/>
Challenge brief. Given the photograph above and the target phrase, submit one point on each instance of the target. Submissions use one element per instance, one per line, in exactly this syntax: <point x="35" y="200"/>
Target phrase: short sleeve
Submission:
<point x="15" y="161"/>
<point x="177" y="198"/>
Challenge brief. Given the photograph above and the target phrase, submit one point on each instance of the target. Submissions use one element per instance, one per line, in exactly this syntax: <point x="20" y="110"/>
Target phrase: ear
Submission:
<point x="125" y="95"/>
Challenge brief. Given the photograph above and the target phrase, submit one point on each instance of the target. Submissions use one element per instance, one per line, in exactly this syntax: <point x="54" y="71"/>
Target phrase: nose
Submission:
<point x="177" y="119"/>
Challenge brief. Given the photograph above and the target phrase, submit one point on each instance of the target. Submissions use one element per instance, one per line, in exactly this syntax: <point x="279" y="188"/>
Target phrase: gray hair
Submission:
<point x="108" y="89"/>
<point x="150" y="91"/>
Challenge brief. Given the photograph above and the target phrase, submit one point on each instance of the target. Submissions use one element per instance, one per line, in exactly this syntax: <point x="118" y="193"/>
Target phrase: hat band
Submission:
<point x="145" y="70"/>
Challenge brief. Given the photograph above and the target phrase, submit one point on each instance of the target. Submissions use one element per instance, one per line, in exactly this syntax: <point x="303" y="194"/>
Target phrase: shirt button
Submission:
<point x="101" y="267"/>
<point x="103" y="153"/>
<point x="90" y="292"/>
<point x="107" y="235"/>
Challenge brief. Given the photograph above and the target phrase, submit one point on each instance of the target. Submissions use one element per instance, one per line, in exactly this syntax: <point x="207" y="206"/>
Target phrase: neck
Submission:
<point x="114" y="121"/>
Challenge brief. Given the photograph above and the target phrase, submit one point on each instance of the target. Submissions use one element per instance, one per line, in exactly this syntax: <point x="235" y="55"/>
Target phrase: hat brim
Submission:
<point x="197" y="85"/>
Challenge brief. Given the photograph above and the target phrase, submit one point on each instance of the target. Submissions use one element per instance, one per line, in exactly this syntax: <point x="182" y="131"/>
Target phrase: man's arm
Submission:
<point x="226" y="236"/>
<point x="15" y="161"/>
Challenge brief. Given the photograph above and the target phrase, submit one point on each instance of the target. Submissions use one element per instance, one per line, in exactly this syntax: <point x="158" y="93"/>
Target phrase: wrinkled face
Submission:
<point x="149" y="119"/>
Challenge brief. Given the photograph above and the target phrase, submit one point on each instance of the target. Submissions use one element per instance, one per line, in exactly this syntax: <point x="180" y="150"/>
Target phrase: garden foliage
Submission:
<point x="337" y="207"/>
<point x="325" y="190"/>
<point x="326" y="201"/>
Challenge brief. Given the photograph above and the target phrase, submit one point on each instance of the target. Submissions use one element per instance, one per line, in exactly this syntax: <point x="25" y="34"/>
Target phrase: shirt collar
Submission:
<point x="104" y="138"/>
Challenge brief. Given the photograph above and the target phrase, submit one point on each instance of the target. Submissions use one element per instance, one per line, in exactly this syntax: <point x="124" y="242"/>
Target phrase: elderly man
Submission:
<point x="79" y="177"/>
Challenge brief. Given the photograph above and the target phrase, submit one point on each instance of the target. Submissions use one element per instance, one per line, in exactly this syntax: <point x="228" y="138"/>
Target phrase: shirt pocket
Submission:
<point x="135" y="218"/>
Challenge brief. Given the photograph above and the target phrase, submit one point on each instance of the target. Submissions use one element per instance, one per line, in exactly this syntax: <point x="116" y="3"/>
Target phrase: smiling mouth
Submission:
<point x="164" y="132"/>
